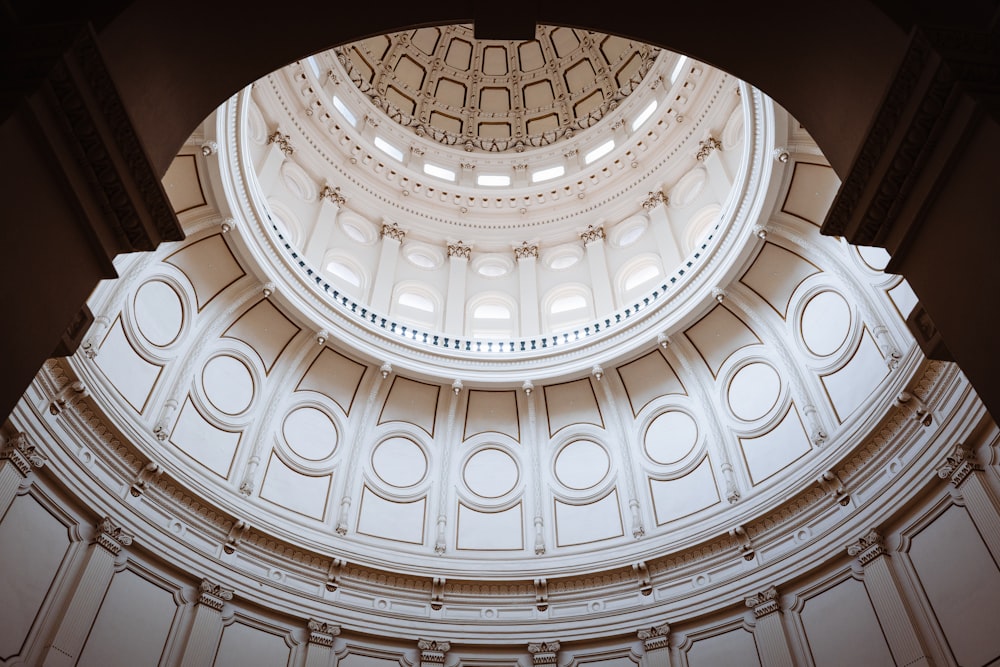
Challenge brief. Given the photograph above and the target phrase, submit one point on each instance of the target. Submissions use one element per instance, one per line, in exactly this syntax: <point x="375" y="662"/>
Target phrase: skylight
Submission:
<point x="388" y="148"/>
<point x="439" y="172"/>
<point x="601" y="150"/>
<point x="546" y="174"/>
<point x="344" y="111"/>
<point x="644" y="115"/>
<point x="313" y="65"/>
<point x="493" y="180"/>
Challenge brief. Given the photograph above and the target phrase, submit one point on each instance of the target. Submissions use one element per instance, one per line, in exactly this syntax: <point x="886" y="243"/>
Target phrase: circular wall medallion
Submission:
<point x="754" y="390"/>
<point x="670" y="437"/>
<point x="228" y="384"/>
<point x="159" y="314"/>
<point x="310" y="433"/>
<point x="826" y="323"/>
<point x="399" y="462"/>
<point x="582" y="464"/>
<point x="688" y="188"/>
<point x="490" y="473"/>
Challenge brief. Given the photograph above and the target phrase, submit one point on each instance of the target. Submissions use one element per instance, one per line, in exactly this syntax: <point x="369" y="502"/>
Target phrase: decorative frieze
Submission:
<point x="282" y="141"/>
<point x="706" y="148"/>
<point x="543" y="653"/>
<point x="333" y="195"/>
<point x="868" y="548"/>
<point x="656" y="637"/>
<point x="654" y="199"/>
<point x="592" y="234"/>
<point x="432" y="651"/>
<point x="213" y="595"/>
<point x="958" y="465"/>
<point x="763" y="603"/>
<point x="459" y="249"/>
<point x="111" y="536"/>
<point x="322" y="633"/>
<point x="393" y="232"/>
<point x="525" y="250"/>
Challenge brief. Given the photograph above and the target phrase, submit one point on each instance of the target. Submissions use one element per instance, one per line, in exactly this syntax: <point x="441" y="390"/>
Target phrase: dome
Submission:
<point x="436" y="374"/>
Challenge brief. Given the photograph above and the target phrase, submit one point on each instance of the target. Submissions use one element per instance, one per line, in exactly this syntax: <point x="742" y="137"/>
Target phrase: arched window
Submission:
<point x="417" y="305"/>
<point x="567" y="307"/>
<point x="637" y="278"/>
<point x="345" y="274"/>
<point x="491" y="316"/>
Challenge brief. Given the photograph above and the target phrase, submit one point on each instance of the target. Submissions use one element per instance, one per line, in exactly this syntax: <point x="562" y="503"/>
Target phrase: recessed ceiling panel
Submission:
<point x="492" y="411"/>
<point x="718" y="335"/>
<point x="305" y="494"/>
<point x="210" y="446"/>
<point x="647" y="378"/>
<point x="774" y="451"/>
<point x="670" y="437"/>
<point x="209" y="266"/>
<point x="310" y="433"/>
<point x="811" y="192"/>
<point x="392" y="520"/>
<point x="677" y="498"/>
<point x="130" y="374"/>
<point x="413" y="402"/>
<point x="490" y="531"/>
<point x="572" y="403"/>
<point x="593" y="522"/>
<point x="849" y="387"/>
<point x="333" y="375"/>
<point x="826" y="323"/>
<point x="266" y="330"/>
<point x="775" y="274"/>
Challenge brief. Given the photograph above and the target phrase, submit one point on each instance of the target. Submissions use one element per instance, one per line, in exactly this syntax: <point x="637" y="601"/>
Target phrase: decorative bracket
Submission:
<point x="437" y="592"/>
<point x="334" y="573"/>
<point x="541" y="593"/>
<point x="744" y="546"/>
<point x="236" y="533"/>
<point x="833" y="485"/>
<point x="642" y="574"/>
<point x="148" y="474"/>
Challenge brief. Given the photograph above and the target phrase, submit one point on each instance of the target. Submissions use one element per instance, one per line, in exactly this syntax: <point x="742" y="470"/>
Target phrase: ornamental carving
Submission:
<point x="543" y="653"/>
<point x="707" y="146"/>
<point x="433" y="651"/>
<point x="22" y="454"/>
<point x="525" y="250"/>
<point x="959" y="465"/>
<point x="282" y="141"/>
<point x="393" y="232"/>
<point x="111" y="536"/>
<point x="654" y="199"/>
<point x="592" y="234"/>
<point x="213" y="595"/>
<point x="763" y="603"/>
<point x="333" y="195"/>
<point x="656" y="637"/>
<point x="322" y="633"/>
<point x="459" y="249"/>
<point x="868" y="548"/>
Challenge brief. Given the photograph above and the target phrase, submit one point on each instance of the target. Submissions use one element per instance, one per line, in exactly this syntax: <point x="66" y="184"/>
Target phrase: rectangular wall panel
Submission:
<point x="839" y="612"/>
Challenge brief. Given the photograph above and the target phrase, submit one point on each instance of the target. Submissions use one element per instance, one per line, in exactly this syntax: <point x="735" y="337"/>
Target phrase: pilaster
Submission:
<point x="543" y="653"/>
<point x="527" y="258"/>
<point x="458" y="266"/>
<point x="593" y="241"/>
<point x="769" y="632"/>
<point x="962" y="470"/>
<point x="385" y="275"/>
<point x="656" y="642"/>
<point x="17" y="458"/>
<point x="92" y="584"/>
<point x="889" y="605"/>
<point x="206" y="630"/>
<point x="319" y="652"/>
<point x="432" y="652"/>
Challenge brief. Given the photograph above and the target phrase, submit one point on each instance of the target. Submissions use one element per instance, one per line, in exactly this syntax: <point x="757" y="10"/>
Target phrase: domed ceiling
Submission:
<point x="305" y="424"/>
<point x="486" y="95"/>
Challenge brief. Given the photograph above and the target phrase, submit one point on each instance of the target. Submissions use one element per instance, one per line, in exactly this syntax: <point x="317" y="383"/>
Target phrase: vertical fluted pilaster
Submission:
<point x="17" y="457"/>
<point x="319" y="652"/>
<point x="92" y="584"/>
<point x="769" y="632"/>
<point x="889" y="604"/>
<point x="962" y="470"/>
<point x="203" y="640"/>
<point x="656" y="642"/>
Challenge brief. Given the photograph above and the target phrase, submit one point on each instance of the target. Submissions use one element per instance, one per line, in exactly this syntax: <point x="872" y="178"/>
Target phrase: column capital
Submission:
<point x="654" y="199"/>
<point x="459" y="249"/>
<point x="706" y="147"/>
<point x="333" y="194"/>
<point x="543" y="653"/>
<point x="592" y="234"/>
<point x="322" y="633"/>
<point x="111" y="536"/>
<point x="22" y="454"/>
<point x="433" y="651"/>
<point x="655" y="637"/>
<point x="868" y="548"/>
<point x="282" y="141"/>
<point x="393" y="231"/>
<point x="958" y="465"/>
<point x="763" y="603"/>
<point x="213" y="595"/>
<point x="525" y="250"/>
